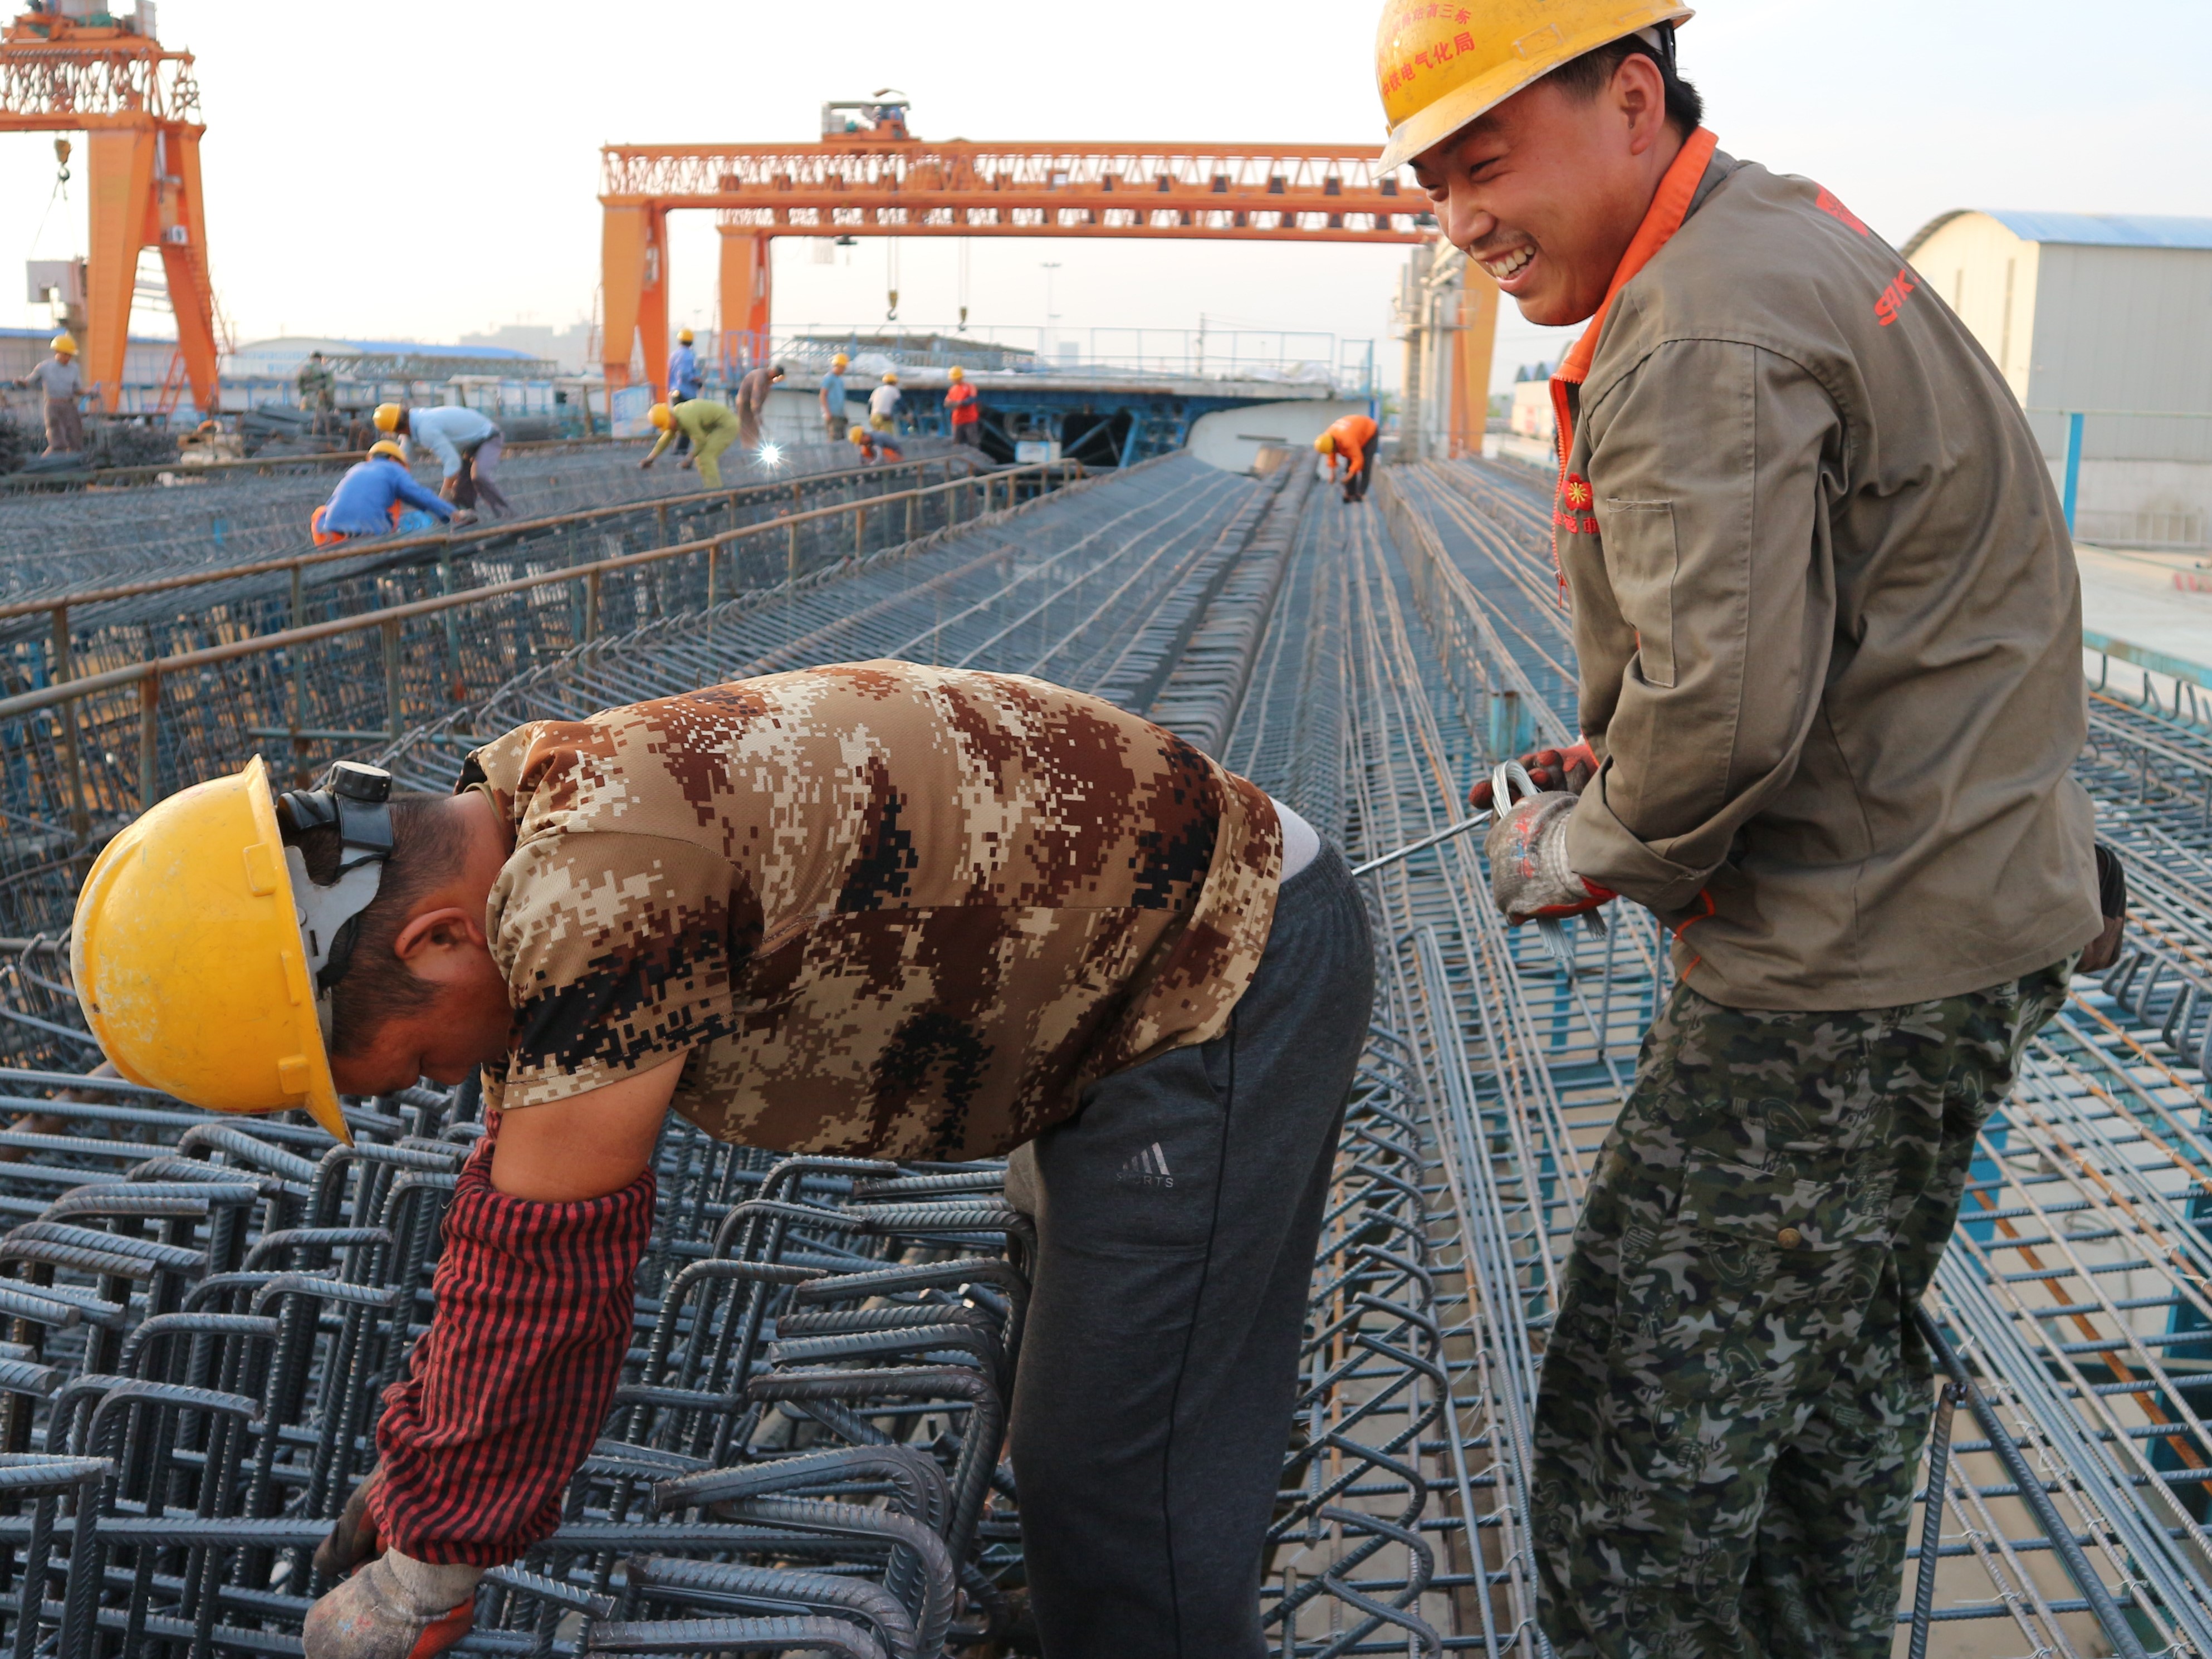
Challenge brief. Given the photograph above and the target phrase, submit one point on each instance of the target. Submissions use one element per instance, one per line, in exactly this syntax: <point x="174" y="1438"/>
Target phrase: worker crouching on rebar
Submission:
<point x="379" y="496"/>
<point x="1828" y="636"/>
<point x="875" y="446"/>
<point x="876" y="909"/>
<point x="1351" y="439"/>
<point x="711" y="428"/>
<point x="467" y="444"/>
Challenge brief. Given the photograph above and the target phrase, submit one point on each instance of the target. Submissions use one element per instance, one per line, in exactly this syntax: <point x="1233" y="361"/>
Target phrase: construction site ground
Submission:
<point x="201" y="1315"/>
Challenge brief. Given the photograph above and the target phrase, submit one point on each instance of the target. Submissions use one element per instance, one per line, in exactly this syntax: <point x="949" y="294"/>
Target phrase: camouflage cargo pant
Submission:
<point x="1733" y="1400"/>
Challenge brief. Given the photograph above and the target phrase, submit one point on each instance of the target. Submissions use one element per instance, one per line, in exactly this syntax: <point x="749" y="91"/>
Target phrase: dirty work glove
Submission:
<point x="2113" y="905"/>
<point x="1528" y="852"/>
<point x="353" y="1538"/>
<point x="1570" y="768"/>
<point x="395" y="1607"/>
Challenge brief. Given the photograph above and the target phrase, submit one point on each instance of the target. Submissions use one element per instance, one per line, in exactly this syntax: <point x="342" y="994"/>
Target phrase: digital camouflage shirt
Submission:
<point x="888" y="910"/>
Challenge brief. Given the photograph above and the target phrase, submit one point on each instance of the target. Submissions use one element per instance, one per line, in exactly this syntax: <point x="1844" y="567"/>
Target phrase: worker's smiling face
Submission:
<point x="1545" y="192"/>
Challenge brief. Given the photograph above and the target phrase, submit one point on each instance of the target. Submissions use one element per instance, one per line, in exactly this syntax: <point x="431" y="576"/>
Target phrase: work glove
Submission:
<point x="1570" y="768"/>
<point x="1528" y="874"/>
<point x="395" y="1607"/>
<point x="2113" y="905"/>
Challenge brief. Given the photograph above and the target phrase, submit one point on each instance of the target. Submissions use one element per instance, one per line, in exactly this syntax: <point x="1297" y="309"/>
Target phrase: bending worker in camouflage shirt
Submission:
<point x="875" y="909"/>
<point x="1829" y="644"/>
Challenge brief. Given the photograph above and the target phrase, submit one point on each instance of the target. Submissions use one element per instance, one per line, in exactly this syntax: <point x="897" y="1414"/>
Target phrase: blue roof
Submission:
<point x="2086" y="230"/>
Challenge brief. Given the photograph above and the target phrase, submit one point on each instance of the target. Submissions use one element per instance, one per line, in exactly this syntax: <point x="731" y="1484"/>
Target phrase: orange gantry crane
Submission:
<point x="868" y="176"/>
<point x="139" y="107"/>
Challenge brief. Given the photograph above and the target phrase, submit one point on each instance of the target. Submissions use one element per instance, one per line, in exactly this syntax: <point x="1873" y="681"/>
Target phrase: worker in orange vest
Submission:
<point x="1352" y="436"/>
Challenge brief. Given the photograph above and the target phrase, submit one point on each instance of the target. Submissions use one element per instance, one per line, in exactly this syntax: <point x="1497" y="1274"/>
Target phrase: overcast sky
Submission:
<point x="375" y="173"/>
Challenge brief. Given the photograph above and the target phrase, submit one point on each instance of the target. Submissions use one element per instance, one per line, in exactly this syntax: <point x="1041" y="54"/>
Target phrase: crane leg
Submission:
<point x="121" y="168"/>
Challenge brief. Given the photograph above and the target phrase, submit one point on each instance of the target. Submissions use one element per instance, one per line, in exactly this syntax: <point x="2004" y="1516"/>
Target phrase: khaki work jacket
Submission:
<point x="1827" y="614"/>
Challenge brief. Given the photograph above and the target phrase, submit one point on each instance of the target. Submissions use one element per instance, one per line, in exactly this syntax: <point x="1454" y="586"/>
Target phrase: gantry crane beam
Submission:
<point x="899" y="186"/>
<point x="139" y="107"/>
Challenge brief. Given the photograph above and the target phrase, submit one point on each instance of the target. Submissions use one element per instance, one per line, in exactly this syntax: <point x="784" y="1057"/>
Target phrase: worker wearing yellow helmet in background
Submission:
<point x="833" y="398"/>
<point x="686" y="380"/>
<point x="962" y="411"/>
<point x="1828" y="637"/>
<point x="59" y="379"/>
<point x="711" y="428"/>
<point x="884" y="403"/>
<point x="1352" y="438"/>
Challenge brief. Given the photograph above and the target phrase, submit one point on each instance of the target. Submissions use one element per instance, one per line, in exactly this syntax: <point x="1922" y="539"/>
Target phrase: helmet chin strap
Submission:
<point x="355" y="800"/>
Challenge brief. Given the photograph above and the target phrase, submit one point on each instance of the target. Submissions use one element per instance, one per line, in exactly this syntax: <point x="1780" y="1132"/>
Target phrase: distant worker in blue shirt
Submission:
<point x="467" y="446"/>
<point x="833" y="398"/>
<point x="379" y="497"/>
<point x="686" y="379"/>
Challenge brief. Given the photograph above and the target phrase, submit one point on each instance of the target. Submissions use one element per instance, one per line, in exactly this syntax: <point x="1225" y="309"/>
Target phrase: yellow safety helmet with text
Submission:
<point x="683" y="336"/>
<point x="386" y="418"/>
<point x="64" y="342"/>
<point x="841" y="363"/>
<point x="661" y="416"/>
<point x="1437" y="67"/>
<point x="191" y="958"/>
<point x="958" y="372"/>
<point x="389" y="450"/>
<point x="1326" y="444"/>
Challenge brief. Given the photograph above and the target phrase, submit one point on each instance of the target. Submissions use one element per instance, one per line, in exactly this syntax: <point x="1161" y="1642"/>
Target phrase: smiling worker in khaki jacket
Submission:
<point x="1828" y="639"/>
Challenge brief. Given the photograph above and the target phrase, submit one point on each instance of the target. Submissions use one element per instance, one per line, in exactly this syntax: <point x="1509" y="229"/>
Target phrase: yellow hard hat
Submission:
<point x="958" y="372"/>
<point x="890" y="377"/>
<point x="387" y="417"/>
<point x="841" y="361"/>
<point x="858" y="434"/>
<point x="1439" y="67"/>
<point x="390" y="450"/>
<point x="1326" y="443"/>
<point x="65" y="342"/>
<point x="662" y="416"/>
<point x="189" y="962"/>
<point x="683" y="336"/>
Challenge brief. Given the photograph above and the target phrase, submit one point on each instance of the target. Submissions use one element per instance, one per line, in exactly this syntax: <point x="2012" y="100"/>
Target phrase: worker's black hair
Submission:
<point x="427" y="846"/>
<point x="1592" y="73"/>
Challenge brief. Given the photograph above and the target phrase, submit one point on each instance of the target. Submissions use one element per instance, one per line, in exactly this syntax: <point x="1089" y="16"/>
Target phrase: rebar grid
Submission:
<point x="2076" y="1297"/>
<point x="72" y="773"/>
<point x="50" y="545"/>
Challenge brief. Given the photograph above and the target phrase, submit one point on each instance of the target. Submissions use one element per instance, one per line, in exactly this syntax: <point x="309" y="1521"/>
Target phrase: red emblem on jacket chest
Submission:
<point x="1573" y="514"/>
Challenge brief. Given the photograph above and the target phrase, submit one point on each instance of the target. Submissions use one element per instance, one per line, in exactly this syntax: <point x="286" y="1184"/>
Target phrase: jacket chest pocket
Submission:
<point x="1639" y="560"/>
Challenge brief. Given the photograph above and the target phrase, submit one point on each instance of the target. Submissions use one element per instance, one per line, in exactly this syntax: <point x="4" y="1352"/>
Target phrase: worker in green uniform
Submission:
<point x="711" y="427"/>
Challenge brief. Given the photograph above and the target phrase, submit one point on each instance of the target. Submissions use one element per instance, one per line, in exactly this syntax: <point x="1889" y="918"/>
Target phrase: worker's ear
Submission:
<point x="434" y="942"/>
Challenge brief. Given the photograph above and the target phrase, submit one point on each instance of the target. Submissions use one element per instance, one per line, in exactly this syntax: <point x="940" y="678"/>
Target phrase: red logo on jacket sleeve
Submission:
<point x="1576" y="491"/>
<point x="1827" y="203"/>
<point x="1893" y="297"/>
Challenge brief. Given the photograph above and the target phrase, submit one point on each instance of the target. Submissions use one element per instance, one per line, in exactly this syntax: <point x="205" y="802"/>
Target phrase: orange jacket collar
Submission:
<point x="1669" y="207"/>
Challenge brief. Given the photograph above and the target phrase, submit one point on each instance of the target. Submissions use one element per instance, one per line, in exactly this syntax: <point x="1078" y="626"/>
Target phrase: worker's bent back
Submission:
<point x="891" y="911"/>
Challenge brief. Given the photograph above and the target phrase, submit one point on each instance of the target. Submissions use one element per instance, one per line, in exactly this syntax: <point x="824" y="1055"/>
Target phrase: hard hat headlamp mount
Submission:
<point x="355" y="800"/>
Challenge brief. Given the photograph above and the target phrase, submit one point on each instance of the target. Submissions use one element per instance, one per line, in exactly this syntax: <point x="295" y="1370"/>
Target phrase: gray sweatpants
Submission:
<point x="1177" y="1215"/>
